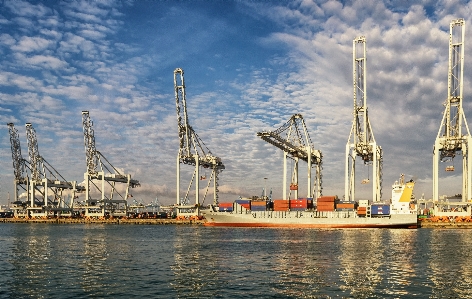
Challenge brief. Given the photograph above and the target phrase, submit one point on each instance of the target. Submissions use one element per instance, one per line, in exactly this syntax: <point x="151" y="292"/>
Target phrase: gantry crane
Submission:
<point x="453" y="136"/>
<point x="361" y="142"/>
<point x="99" y="172"/>
<point x="47" y="182"/>
<point x="293" y="139"/>
<point x="192" y="151"/>
<point x="20" y="173"/>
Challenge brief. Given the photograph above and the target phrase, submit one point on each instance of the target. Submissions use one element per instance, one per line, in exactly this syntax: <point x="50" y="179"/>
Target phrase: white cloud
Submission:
<point x="32" y="44"/>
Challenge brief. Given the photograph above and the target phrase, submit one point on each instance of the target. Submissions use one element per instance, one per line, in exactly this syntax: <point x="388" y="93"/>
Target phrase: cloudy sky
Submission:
<point x="249" y="66"/>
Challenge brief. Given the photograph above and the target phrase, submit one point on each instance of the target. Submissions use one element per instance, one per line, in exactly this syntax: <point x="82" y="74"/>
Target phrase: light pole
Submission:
<point x="265" y="188"/>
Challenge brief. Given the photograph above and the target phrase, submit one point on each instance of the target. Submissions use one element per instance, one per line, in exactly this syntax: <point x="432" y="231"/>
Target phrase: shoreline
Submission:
<point x="158" y="221"/>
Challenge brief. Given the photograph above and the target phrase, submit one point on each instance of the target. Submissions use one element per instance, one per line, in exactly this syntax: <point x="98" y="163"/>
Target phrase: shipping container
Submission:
<point x="243" y="201"/>
<point x="258" y="208"/>
<point x="345" y="205"/>
<point x="380" y="209"/>
<point x="225" y="209"/>
<point x="327" y="198"/>
<point x="280" y="208"/>
<point x="246" y="205"/>
<point x="325" y="206"/>
<point x="259" y="203"/>
<point x="225" y="204"/>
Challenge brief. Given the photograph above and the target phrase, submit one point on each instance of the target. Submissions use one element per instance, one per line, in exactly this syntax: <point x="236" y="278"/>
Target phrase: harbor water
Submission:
<point x="175" y="261"/>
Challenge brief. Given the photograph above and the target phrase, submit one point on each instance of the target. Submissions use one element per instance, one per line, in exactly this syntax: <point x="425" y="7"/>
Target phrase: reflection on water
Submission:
<point x="95" y="261"/>
<point x="448" y="266"/>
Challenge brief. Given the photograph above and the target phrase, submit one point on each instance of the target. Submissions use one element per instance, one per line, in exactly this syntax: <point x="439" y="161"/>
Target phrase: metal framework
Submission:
<point x="99" y="173"/>
<point x="293" y="139"/>
<point x="20" y="172"/>
<point x="452" y="139"/>
<point x="361" y="142"/>
<point x="192" y="151"/>
<point x="46" y="185"/>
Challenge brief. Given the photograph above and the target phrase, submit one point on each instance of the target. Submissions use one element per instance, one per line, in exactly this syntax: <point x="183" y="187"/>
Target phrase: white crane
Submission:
<point x="361" y="142"/>
<point x="294" y="140"/>
<point x="192" y="150"/>
<point x="20" y="173"/>
<point x="453" y="136"/>
<point x="47" y="181"/>
<point x="99" y="172"/>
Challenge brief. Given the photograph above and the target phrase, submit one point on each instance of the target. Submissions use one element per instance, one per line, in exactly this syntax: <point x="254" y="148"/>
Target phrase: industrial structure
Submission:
<point x="293" y="139"/>
<point x="102" y="175"/>
<point x="361" y="142"/>
<point x="21" y="172"/>
<point x="43" y="185"/>
<point x="192" y="151"/>
<point x="453" y="136"/>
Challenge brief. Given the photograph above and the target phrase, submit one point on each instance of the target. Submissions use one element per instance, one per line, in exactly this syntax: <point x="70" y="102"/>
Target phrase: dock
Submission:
<point x="150" y="221"/>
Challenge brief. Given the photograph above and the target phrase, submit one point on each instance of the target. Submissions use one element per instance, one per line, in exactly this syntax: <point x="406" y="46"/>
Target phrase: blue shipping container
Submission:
<point x="225" y="209"/>
<point x="243" y="201"/>
<point x="258" y="208"/>
<point x="380" y="210"/>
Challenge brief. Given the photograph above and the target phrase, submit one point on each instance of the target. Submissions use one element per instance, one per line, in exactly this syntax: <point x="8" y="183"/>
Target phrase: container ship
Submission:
<point x="324" y="212"/>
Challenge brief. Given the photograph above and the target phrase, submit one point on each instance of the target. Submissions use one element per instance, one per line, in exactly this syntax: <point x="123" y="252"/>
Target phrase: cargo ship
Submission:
<point x="324" y="212"/>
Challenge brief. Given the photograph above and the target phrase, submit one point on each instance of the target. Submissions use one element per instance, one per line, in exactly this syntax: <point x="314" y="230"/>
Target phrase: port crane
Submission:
<point x="20" y="173"/>
<point x="293" y="139"/>
<point x="47" y="181"/>
<point x="192" y="151"/>
<point x="361" y="142"/>
<point x="454" y="136"/>
<point x="99" y="173"/>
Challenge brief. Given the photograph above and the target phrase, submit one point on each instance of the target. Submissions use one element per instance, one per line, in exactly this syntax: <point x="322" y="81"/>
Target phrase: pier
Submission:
<point x="150" y="221"/>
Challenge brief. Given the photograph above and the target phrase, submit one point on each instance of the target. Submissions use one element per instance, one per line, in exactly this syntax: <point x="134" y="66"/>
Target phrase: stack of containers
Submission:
<point x="246" y="203"/>
<point x="281" y="205"/>
<point x="326" y="203"/>
<point x="361" y="211"/>
<point x="259" y="205"/>
<point x="301" y="204"/>
<point x="225" y="206"/>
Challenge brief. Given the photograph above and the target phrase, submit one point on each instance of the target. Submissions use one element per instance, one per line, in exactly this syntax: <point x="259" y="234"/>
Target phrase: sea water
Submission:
<point x="183" y="261"/>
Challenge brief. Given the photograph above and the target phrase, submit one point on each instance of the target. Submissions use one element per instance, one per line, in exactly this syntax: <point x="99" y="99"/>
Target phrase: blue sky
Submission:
<point x="249" y="66"/>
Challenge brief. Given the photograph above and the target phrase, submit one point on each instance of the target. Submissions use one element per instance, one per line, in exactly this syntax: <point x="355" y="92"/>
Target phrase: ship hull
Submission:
<point x="287" y="219"/>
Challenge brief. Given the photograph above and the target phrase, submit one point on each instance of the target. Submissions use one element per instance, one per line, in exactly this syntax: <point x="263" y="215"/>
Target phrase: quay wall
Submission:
<point x="104" y="221"/>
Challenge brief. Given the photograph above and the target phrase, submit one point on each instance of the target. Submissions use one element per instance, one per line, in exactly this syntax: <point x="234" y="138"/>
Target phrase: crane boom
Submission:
<point x="19" y="163"/>
<point x="293" y="139"/>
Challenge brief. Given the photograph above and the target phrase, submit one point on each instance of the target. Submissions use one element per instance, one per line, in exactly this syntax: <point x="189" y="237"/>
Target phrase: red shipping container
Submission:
<point x="345" y="206"/>
<point x="225" y="204"/>
<point x="325" y="206"/>
<point x="246" y="205"/>
<point x="280" y="208"/>
<point x="281" y="202"/>
<point x="327" y="198"/>
<point x="325" y="209"/>
<point x="258" y="203"/>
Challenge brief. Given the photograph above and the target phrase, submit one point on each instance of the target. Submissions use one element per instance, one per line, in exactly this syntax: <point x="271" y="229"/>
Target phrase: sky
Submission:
<point x="248" y="67"/>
